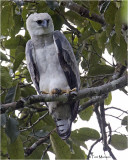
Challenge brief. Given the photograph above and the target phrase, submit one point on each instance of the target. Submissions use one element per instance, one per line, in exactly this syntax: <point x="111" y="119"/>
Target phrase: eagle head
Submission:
<point x="39" y="24"/>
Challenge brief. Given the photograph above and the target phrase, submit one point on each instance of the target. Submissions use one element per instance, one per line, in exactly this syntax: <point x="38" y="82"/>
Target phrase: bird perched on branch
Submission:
<point x="53" y="68"/>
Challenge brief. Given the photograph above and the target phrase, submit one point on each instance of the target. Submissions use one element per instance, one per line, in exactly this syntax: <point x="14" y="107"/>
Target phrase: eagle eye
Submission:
<point x="39" y="21"/>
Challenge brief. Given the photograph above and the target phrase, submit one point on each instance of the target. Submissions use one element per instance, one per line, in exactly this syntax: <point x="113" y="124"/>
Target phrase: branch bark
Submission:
<point x="40" y="141"/>
<point x="83" y="11"/>
<point x="87" y="92"/>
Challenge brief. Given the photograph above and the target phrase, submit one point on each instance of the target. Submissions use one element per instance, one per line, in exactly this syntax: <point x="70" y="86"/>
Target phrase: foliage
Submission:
<point x="90" y="39"/>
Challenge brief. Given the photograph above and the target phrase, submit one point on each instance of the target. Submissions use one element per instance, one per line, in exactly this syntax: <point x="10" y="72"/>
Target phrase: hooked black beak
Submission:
<point x="43" y="23"/>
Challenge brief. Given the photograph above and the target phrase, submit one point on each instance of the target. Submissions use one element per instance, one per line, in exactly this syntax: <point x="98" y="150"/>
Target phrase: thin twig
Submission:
<point x="40" y="141"/>
<point x="38" y="120"/>
<point x="113" y="116"/>
<point x="117" y="109"/>
<point x="90" y="150"/>
<point x="100" y="56"/>
<point x="90" y="102"/>
<point x="45" y="151"/>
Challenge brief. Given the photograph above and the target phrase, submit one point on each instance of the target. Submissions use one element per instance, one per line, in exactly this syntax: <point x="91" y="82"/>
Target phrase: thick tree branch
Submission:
<point x="103" y="89"/>
<point x="87" y="92"/>
<point x="103" y="125"/>
<point x="111" y="154"/>
<point x="83" y="11"/>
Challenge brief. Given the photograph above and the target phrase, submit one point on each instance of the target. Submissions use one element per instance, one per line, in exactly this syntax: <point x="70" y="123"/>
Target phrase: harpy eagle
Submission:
<point x="53" y="68"/>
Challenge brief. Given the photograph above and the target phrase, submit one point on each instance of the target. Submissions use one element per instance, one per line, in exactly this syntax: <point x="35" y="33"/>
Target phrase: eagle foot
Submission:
<point x="56" y="91"/>
<point x="44" y="92"/>
<point x="62" y="91"/>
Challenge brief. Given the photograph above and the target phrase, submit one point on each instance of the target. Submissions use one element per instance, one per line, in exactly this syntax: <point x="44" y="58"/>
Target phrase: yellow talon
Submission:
<point x="74" y="89"/>
<point x="44" y="92"/>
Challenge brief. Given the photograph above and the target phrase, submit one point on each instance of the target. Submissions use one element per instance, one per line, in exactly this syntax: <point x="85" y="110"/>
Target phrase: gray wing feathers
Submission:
<point x="68" y="55"/>
<point x="31" y="65"/>
<point x="69" y="65"/>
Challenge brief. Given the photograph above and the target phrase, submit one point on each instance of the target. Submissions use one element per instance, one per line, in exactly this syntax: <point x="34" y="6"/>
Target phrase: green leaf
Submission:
<point x="42" y="7"/>
<point x="84" y="134"/>
<point x="49" y="121"/>
<point x="13" y="42"/>
<point x="120" y="52"/>
<point x="52" y="4"/>
<point x="3" y="141"/>
<point x="6" y="19"/>
<point x="75" y="18"/>
<point x="15" y="149"/>
<point x="110" y="14"/>
<point x="102" y="40"/>
<point x="100" y="70"/>
<point x="19" y="49"/>
<point x="3" y="57"/>
<point x="18" y="23"/>
<point x="3" y="96"/>
<point x="78" y="153"/>
<point x="11" y="95"/>
<point x="12" y="55"/>
<point x="86" y="113"/>
<point x="27" y="75"/>
<point x="94" y="7"/>
<point x="119" y="142"/>
<point x="96" y="26"/>
<point x="109" y="47"/>
<point x="108" y="99"/>
<point x="118" y="26"/>
<point x="109" y="30"/>
<point x="39" y="125"/>
<point x="124" y="11"/>
<point x="94" y="58"/>
<point x="18" y="60"/>
<point x="60" y="148"/>
<point x="28" y="91"/>
<point x="57" y="20"/>
<point x="12" y="129"/>
<point x="124" y="121"/>
<point x="6" y="80"/>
